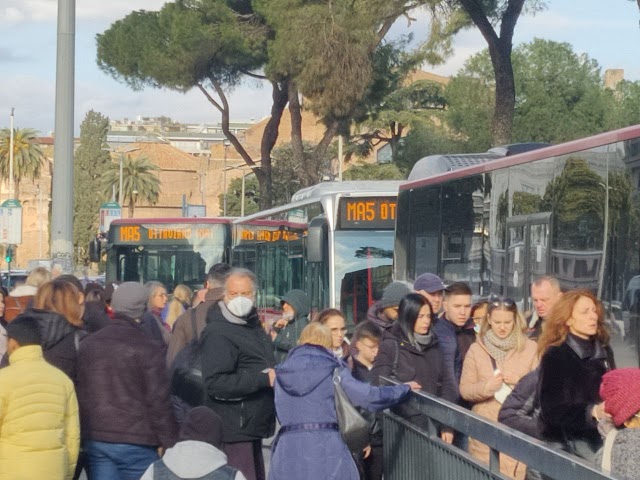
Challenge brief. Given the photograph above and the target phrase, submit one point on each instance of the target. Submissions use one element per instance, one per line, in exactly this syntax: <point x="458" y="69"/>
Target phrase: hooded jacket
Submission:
<point x="60" y="341"/>
<point x="304" y="394"/>
<point x="235" y="357"/>
<point x="192" y="459"/>
<point x="40" y="431"/>
<point x="287" y="337"/>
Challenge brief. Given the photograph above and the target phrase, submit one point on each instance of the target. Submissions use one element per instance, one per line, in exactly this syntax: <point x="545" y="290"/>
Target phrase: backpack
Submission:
<point x="186" y="370"/>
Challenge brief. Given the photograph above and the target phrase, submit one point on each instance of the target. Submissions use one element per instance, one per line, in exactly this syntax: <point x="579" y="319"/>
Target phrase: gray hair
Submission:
<point x="242" y="273"/>
<point x="152" y="287"/>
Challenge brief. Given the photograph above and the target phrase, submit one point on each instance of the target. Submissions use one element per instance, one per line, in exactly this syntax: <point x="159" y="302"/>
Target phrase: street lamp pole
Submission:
<point x="120" y="180"/>
<point x="242" y="199"/>
<point x="224" y="180"/>
<point x="11" y="155"/>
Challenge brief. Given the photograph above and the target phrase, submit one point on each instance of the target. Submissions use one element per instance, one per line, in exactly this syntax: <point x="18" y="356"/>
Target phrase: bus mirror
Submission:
<point x="94" y="250"/>
<point x="317" y="240"/>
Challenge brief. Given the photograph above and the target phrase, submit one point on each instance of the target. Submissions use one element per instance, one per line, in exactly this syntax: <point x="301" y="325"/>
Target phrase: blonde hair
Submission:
<point x="519" y="325"/>
<point x="60" y="297"/>
<point x="316" y="334"/>
<point x="38" y="276"/>
<point x="181" y="296"/>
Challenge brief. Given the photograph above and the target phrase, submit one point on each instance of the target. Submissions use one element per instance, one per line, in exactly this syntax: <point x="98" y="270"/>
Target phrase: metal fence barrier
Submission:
<point x="415" y="453"/>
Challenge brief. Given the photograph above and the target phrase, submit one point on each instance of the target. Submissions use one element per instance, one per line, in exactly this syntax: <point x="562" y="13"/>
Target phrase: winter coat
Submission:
<point x="304" y="394"/>
<point x="424" y="367"/>
<point x="3" y="341"/>
<point x="155" y="328"/>
<point x="94" y="317"/>
<point x="454" y="342"/>
<point x="287" y="337"/>
<point x="234" y="360"/>
<point x="569" y="385"/>
<point x="182" y="332"/>
<point x="521" y="409"/>
<point x="625" y="463"/>
<point x="60" y="341"/>
<point x="192" y="460"/>
<point x="39" y="426"/>
<point x="123" y="388"/>
<point x="476" y="372"/>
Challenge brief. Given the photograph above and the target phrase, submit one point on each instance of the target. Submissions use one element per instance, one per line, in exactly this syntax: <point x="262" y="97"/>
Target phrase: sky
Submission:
<point x="606" y="30"/>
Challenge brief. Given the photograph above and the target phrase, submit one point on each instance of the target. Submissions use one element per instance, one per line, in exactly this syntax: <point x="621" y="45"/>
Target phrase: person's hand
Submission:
<point x="414" y="385"/>
<point x="494" y="384"/>
<point x="272" y="376"/>
<point x="510" y="378"/>
<point x="280" y="323"/>
<point x="160" y="451"/>
<point x="366" y="451"/>
<point x="447" y="437"/>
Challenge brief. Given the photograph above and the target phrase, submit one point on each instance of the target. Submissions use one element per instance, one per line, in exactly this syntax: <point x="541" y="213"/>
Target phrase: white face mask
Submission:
<point x="240" y="306"/>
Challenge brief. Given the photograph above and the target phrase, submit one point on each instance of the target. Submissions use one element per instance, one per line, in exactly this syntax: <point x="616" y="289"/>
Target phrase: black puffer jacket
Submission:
<point x="123" y="387"/>
<point x="570" y="377"/>
<point x="234" y="358"/>
<point x="60" y="341"/>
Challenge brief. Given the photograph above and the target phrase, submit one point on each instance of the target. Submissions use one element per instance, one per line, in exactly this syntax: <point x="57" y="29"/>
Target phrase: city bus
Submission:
<point x="570" y="210"/>
<point x="167" y="250"/>
<point x="334" y="241"/>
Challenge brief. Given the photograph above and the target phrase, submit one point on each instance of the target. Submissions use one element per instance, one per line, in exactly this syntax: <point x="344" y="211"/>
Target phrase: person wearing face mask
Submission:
<point x="238" y="371"/>
<point x="295" y="316"/>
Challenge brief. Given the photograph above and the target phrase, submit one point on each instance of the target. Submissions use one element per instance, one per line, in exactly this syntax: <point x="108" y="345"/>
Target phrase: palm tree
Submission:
<point x="27" y="155"/>
<point x="139" y="182"/>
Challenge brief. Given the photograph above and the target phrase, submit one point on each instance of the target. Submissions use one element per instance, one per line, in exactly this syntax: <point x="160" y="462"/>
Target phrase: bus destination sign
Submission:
<point x="146" y="234"/>
<point x="368" y="213"/>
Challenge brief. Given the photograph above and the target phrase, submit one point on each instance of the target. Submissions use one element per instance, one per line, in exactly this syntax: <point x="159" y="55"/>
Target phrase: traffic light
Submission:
<point x="8" y="254"/>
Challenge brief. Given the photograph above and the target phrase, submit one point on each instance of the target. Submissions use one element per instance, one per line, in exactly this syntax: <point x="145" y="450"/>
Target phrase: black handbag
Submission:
<point x="354" y="428"/>
<point x="186" y="370"/>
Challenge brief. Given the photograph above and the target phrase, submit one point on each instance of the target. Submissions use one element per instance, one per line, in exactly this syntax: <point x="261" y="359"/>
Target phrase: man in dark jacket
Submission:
<point x="237" y="367"/>
<point x="295" y="316"/>
<point x="545" y="293"/>
<point x="123" y="392"/>
<point x="385" y="311"/>
<point x="182" y="328"/>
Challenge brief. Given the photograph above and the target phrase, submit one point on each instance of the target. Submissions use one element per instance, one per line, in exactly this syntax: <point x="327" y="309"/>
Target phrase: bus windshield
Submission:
<point x="168" y="253"/>
<point x="363" y="267"/>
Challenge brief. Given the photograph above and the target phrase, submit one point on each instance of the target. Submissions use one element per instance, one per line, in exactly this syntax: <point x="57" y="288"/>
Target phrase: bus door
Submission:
<point x="528" y="254"/>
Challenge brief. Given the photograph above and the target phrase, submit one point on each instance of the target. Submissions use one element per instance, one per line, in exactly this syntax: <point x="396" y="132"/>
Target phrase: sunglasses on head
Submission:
<point x="496" y="302"/>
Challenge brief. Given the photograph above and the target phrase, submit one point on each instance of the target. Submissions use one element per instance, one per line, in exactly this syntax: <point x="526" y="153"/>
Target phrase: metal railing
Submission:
<point x="412" y="452"/>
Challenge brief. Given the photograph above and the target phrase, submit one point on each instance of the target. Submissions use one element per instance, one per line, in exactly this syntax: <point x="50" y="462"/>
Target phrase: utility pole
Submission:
<point x="62" y="198"/>
<point x="11" y="156"/>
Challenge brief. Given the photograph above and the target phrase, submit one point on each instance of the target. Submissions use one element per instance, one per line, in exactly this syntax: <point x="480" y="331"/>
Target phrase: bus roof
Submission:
<point x="165" y="221"/>
<point x="317" y="192"/>
<point x="502" y="162"/>
<point x="362" y="186"/>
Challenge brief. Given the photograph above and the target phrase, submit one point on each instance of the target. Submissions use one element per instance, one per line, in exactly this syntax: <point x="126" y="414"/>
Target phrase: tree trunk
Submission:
<point x="131" y="207"/>
<point x="305" y="175"/>
<point x="280" y="96"/>
<point x="320" y="151"/>
<point x="502" y="123"/>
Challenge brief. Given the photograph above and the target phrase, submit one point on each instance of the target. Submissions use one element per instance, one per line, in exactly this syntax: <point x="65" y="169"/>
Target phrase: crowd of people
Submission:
<point x="95" y="379"/>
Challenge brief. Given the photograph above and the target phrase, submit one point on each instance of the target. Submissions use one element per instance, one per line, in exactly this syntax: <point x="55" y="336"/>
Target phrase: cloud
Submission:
<point x="7" y="55"/>
<point x="21" y="11"/>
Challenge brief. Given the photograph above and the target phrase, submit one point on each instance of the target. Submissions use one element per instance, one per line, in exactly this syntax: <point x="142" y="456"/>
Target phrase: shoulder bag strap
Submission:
<point x="194" y="324"/>
<point x="493" y="363"/>
<point x="608" y="447"/>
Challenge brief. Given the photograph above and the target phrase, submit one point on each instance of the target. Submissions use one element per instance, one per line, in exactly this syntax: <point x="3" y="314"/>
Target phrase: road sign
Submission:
<point x="109" y="212"/>
<point x="11" y="222"/>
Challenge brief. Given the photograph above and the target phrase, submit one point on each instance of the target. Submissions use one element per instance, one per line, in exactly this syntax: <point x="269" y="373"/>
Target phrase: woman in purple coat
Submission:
<point x="309" y="445"/>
